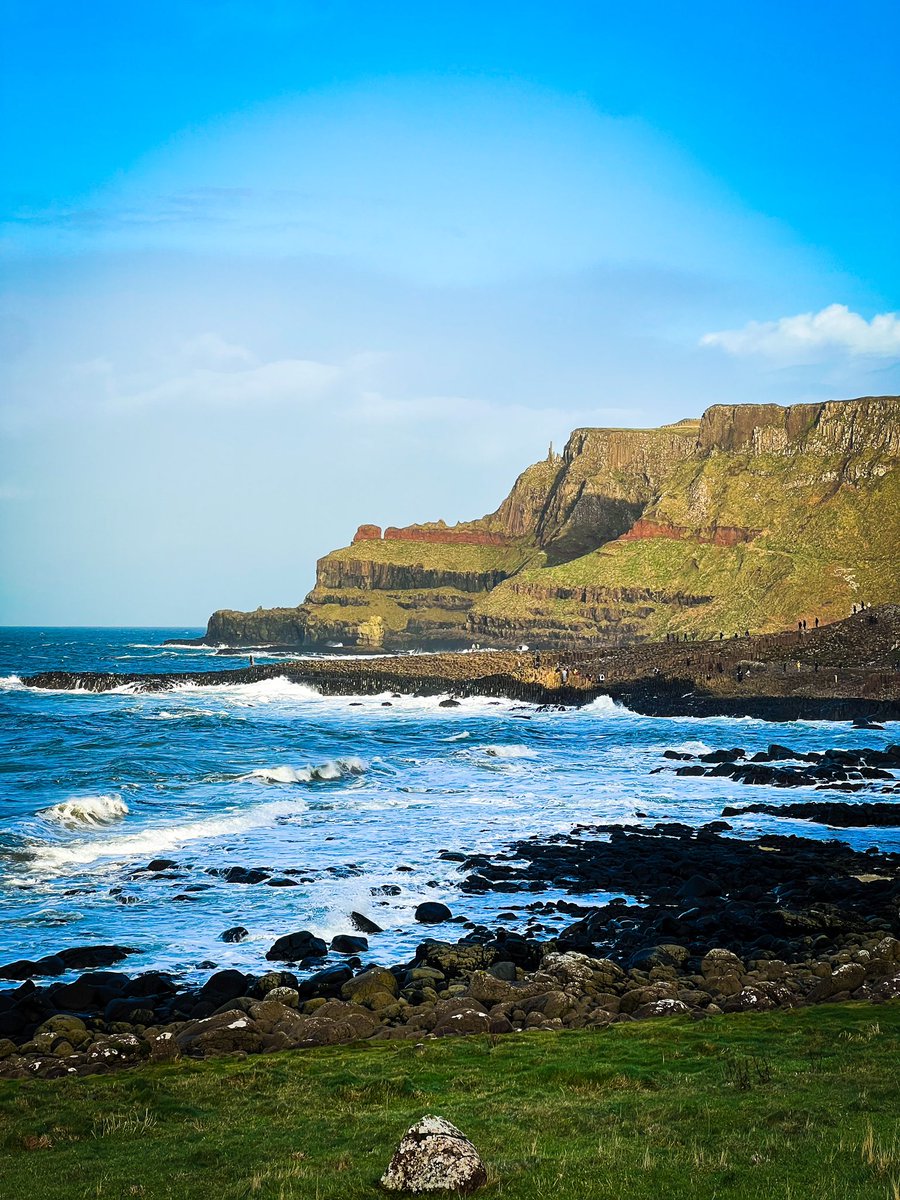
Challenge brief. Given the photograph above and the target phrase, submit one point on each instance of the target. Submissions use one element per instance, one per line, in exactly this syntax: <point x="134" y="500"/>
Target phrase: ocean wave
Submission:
<point x="86" y="810"/>
<point x="692" y="747"/>
<point x="336" y="768"/>
<point x="607" y="706"/>
<point x="151" y="842"/>
<point x="11" y="683"/>
<point x="509" y="751"/>
<point x="457" y="737"/>
<point x="262" y="691"/>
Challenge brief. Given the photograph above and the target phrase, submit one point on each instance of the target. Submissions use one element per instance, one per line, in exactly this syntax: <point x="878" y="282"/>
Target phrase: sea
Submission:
<point x="345" y="803"/>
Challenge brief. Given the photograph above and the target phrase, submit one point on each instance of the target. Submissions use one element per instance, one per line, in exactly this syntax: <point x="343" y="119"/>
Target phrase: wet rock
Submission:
<point x="161" y="864"/>
<point x="293" y="947"/>
<point x="346" y="943"/>
<point x="237" y="933"/>
<point x="432" y="912"/>
<point x="247" y="875"/>
<point x="434" y="1156"/>
<point x="363" y="924"/>
<point x="223" y="986"/>
<point x="26" y="968"/>
<point x="80" y="958"/>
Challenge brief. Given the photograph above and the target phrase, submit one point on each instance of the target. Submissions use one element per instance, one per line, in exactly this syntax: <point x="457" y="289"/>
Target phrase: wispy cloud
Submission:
<point x="290" y="380"/>
<point x="834" y="329"/>
<point x="12" y="491"/>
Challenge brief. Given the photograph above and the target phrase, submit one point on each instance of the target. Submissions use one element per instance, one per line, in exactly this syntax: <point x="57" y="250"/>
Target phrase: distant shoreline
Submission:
<point x="849" y="670"/>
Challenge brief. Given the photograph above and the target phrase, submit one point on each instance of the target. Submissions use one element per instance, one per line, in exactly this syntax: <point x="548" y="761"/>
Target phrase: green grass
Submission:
<point x="437" y="555"/>
<point x="751" y="1107"/>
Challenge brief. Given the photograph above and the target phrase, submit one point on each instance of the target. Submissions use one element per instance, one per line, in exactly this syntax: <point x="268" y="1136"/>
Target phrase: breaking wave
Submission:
<point x="335" y="768"/>
<point x="151" y="842"/>
<point x="509" y="751"/>
<point x="86" y="810"/>
<point x="11" y="683"/>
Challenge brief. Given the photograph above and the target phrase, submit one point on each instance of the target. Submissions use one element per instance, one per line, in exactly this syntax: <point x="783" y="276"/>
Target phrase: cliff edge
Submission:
<point x="751" y="518"/>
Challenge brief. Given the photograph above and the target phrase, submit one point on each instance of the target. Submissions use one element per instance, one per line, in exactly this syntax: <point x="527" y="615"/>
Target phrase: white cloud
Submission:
<point x="211" y="350"/>
<point x="813" y="335"/>
<point x="289" y="380"/>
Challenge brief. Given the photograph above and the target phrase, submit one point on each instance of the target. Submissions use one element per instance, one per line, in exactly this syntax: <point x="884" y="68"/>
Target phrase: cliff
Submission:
<point x="751" y="518"/>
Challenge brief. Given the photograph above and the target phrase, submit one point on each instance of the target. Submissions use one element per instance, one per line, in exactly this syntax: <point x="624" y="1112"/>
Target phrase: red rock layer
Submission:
<point x="367" y="533"/>
<point x="717" y="535"/>
<point x="459" y="537"/>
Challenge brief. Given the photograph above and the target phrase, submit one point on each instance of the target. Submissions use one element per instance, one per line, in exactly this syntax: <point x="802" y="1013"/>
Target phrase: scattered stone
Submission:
<point x="434" y="1156"/>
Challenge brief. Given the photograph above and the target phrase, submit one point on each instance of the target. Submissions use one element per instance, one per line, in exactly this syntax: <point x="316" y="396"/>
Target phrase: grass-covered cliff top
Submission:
<point x="438" y="555"/>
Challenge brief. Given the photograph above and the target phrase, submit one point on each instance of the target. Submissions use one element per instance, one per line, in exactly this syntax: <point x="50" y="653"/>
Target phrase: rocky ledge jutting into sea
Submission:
<point x="848" y="670"/>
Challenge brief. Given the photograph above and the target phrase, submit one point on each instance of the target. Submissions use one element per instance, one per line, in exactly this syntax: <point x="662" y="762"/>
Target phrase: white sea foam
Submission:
<point x="608" y="707"/>
<point x="457" y="737"/>
<point x="151" y="842"/>
<point x="692" y="747"/>
<point x="86" y="810"/>
<point x="264" y="691"/>
<point x="11" y="683"/>
<point x="336" y="768"/>
<point x="509" y="751"/>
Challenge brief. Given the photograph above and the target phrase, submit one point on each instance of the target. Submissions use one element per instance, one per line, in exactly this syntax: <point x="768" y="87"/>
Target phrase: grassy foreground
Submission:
<point x="791" y="1104"/>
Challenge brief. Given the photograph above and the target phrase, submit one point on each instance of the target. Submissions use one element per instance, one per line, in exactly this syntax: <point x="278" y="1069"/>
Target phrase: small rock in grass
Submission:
<point x="434" y="1156"/>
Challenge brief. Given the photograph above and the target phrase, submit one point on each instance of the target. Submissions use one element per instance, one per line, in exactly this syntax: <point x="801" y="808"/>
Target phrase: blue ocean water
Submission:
<point x="347" y="799"/>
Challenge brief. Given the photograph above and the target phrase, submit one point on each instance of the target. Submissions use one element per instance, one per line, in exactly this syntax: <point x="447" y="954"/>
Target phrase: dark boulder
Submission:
<point x="432" y="912"/>
<point x="347" y="943"/>
<point x="237" y="933"/>
<point x="224" y="985"/>
<point x="293" y="947"/>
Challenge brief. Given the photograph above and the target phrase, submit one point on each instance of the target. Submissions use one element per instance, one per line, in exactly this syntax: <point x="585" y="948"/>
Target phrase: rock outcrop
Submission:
<point x="749" y="519"/>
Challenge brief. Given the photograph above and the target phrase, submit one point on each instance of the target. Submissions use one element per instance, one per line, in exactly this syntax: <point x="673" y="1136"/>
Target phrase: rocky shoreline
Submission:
<point x="714" y="924"/>
<point x="847" y="671"/>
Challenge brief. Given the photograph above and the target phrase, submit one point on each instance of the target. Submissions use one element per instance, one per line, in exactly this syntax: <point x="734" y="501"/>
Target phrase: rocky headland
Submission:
<point x="848" y="670"/>
<point x="747" y="519"/>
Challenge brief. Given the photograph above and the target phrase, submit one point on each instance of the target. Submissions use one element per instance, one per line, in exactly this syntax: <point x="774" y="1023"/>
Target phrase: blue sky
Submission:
<point x="271" y="270"/>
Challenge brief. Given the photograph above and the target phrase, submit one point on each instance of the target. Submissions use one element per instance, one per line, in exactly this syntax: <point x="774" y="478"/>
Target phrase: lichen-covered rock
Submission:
<point x="434" y="1156"/>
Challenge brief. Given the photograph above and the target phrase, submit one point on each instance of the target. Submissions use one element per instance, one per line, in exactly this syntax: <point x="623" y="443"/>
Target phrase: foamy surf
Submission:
<point x="152" y="842"/>
<point x="11" y="683"/>
<point x="509" y="752"/>
<point x="263" y="691"/>
<point x="336" y="768"/>
<point x="83" y="811"/>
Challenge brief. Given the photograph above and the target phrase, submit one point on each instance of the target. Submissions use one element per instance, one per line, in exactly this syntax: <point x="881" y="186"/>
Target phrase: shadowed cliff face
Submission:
<point x="753" y="517"/>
